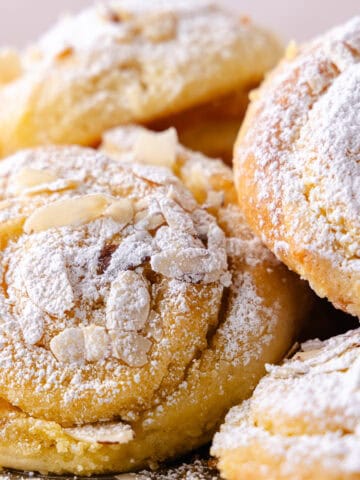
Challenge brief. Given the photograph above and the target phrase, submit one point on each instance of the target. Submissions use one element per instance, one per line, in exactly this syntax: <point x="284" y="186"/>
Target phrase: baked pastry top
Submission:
<point x="133" y="314"/>
<point x="297" y="164"/>
<point x="125" y="61"/>
<point x="303" y="420"/>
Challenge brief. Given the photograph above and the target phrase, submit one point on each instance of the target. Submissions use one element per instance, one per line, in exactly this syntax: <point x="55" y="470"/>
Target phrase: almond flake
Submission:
<point x="31" y="320"/>
<point x="47" y="282"/>
<point x="132" y="252"/>
<point x="130" y="347"/>
<point x="148" y="216"/>
<point x="104" y="433"/>
<point x="159" y="149"/>
<point x="71" y="211"/>
<point x="69" y="346"/>
<point x="176" y="217"/>
<point x="156" y="175"/>
<point x="128" y="304"/>
<point x="56" y="186"/>
<point x="148" y="221"/>
<point x="184" y="264"/>
<point x="183" y="197"/>
<point x="121" y="211"/>
<point x="30" y="177"/>
<point x="307" y="355"/>
<point x="96" y="343"/>
<point x="184" y="257"/>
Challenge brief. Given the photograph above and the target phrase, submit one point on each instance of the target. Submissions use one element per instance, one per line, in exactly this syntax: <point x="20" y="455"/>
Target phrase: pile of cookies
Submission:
<point x="146" y="288"/>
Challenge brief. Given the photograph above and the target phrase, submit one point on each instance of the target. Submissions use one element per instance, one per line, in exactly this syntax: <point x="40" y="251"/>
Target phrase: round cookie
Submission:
<point x="303" y="420"/>
<point x="128" y="61"/>
<point x="132" y="316"/>
<point x="297" y="164"/>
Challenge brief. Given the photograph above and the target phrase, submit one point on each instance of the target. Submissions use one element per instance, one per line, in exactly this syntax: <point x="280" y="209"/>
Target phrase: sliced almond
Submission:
<point x="104" y="433"/>
<point x="47" y="282"/>
<point x="96" y="343"/>
<point x="187" y="265"/>
<point x="182" y="196"/>
<point x="153" y="148"/>
<point x="56" y="186"/>
<point x="176" y="217"/>
<point x="130" y="347"/>
<point x="122" y="211"/>
<point x="183" y="256"/>
<point x="148" y="214"/>
<point x="307" y="355"/>
<point x="128" y="304"/>
<point x="69" y="346"/>
<point x="154" y="174"/>
<point x="132" y="252"/>
<point x="31" y="320"/>
<point x="30" y="177"/>
<point x="148" y="221"/>
<point x="66" y="212"/>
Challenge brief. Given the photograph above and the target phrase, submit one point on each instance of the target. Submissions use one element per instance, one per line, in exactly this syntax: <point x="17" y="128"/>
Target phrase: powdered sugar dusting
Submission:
<point x="62" y="281"/>
<point x="304" y="415"/>
<point x="153" y="301"/>
<point x="306" y="149"/>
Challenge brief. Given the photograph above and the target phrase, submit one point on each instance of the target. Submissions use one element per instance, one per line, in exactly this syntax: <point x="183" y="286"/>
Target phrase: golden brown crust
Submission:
<point x="302" y="422"/>
<point x="126" y="62"/>
<point x="180" y="370"/>
<point x="296" y="164"/>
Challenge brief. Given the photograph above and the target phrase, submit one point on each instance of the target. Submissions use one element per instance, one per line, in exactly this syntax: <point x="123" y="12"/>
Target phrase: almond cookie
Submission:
<point x="303" y="420"/>
<point x="297" y="164"/>
<point x="129" y="60"/>
<point x="133" y="316"/>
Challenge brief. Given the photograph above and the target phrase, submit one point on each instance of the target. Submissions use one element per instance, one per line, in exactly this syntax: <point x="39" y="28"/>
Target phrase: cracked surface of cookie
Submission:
<point x="125" y="61"/>
<point x="133" y="315"/>
<point x="303" y="420"/>
<point x="297" y="164"/>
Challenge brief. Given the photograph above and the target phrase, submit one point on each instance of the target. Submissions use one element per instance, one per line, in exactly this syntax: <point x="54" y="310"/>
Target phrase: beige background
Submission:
<point x="23" y="20"/>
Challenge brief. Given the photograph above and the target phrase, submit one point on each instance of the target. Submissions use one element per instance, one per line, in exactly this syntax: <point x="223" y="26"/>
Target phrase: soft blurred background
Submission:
<point x="23" y="20"/>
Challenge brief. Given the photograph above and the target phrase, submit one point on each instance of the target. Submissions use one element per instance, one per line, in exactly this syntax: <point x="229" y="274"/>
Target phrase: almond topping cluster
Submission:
<point x="81" y="276"/>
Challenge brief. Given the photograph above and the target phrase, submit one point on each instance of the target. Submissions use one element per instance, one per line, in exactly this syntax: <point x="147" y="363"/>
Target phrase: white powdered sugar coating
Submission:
<point x="110" y="294"/>
<point x="246" y="316"/>
<point x="151" y="41"/>
<point x="96" y="272"/>
<point x="305" y="413"/>
<point x="305" y="145"/>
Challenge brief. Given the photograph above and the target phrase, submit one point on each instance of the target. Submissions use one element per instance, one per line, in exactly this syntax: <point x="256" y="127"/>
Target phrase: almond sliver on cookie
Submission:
<point x="114" y="432"/>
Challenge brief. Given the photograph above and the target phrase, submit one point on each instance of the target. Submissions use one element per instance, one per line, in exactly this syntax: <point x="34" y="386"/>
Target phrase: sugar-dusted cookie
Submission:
<point x="297" y="164"/>
<point x="133" y="316"/>
<point x="133" y="61"/>
<point x="303" y="420"/>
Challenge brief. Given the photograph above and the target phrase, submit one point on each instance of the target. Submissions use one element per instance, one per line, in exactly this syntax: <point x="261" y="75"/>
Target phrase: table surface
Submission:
<point x="23" y="20"/>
